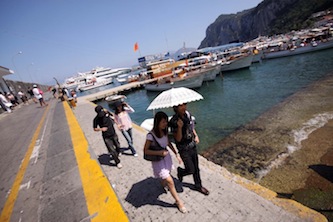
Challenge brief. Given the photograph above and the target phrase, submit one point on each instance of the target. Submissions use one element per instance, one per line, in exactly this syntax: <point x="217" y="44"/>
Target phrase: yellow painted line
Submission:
<point x="139" y="128"/>
<point x="101" y="200"/>
<point x="9" y="205"/>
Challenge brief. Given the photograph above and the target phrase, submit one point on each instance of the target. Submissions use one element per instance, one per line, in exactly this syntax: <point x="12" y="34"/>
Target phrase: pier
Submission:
<point x="116" y="90"/>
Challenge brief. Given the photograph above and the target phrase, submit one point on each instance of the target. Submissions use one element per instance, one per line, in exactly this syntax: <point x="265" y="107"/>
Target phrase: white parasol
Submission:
<point x="174" y="97"/>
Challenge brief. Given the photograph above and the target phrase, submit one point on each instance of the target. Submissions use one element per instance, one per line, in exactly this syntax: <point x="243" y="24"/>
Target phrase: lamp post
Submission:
<point x="31" y="64"/>
<point x="20" y="52"/>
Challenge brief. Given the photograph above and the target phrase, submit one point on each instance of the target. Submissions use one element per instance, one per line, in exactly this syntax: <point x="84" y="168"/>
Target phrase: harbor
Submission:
<point x="240" y="96"/>
<point x="72" y="166"/>
<point x="259" y="99"/>
<point x="221" y="179"/>
<point x="256" y="78"/>
<point x="261" y="154"/>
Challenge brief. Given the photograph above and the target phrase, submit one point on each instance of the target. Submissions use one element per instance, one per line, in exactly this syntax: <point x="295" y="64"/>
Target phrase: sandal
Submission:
<point x="181" y="209"/>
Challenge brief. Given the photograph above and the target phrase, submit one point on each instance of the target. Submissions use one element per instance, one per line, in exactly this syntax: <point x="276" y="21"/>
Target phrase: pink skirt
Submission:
<point x="163" y="167"/>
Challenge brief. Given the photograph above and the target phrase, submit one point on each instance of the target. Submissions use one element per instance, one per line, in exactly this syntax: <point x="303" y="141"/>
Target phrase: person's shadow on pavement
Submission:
<point x="146" y="192"/>
<point x="105" y="159"/>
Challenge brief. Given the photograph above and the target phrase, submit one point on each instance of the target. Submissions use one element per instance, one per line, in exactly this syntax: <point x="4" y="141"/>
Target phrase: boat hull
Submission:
<point x="258" y="57"/>
<point x="96" y="85"/>
<point x="299" y="50"/>
<point x="193" y="82"/>
<point x="241" y="63"/>
<point x="211" y="74"/>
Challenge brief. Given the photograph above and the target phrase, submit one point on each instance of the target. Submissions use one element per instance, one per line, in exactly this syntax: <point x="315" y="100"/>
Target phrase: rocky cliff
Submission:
<point x="268" y="18"/>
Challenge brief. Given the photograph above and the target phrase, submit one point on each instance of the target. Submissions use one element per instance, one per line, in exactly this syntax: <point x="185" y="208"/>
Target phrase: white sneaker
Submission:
<point x="119" y="154"/>
<point x="119" y="165"/>
<point x="136" y="155"/>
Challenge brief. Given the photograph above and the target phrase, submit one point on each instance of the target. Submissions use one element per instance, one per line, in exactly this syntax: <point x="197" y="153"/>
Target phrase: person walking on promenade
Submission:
<point x="72" y="99"/>
<point x="124" y="123"/>
<point x="5" y="104"/>
<point x="162" y="168"/>
<point x="186" y="138"/>
<point x="12" y="99"/>
<point x="104" y="120"/>
<point x="73" y="93"/>
<point x="23" y="97"/>
<point x="54" y="92"/>
<point x="39" y="95"/>
<point x="32" y="96"/>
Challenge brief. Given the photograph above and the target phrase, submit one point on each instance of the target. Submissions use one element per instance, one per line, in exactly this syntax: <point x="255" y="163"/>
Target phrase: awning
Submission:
<point x="5" y="71"/>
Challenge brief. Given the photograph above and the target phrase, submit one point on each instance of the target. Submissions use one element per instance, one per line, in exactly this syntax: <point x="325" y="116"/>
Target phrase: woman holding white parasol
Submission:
<point x="182" y="127"/>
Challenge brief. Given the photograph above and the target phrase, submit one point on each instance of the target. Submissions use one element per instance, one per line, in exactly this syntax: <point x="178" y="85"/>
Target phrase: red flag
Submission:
<point x="136" y="47"/>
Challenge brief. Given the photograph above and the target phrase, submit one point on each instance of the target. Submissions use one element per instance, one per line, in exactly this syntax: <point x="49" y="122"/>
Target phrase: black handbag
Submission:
<point x="155" y="147"/>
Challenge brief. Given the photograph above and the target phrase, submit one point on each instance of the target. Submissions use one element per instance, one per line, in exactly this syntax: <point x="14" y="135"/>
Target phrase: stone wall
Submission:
<point x="16" y="86"/>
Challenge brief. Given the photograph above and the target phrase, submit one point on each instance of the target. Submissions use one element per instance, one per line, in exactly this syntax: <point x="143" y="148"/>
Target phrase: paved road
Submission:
<point x="54" y="167"/>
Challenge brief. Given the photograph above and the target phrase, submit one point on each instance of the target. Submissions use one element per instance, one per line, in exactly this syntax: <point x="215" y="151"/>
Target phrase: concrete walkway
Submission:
<point x="231" y="198"/>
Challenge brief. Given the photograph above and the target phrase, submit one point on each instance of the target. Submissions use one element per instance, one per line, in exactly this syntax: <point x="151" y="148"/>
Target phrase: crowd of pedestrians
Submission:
<point x="181" y="126"/>
<point x="158" y="144"/>
<point x="9" y="100"/>
<point x="35" y="94"/>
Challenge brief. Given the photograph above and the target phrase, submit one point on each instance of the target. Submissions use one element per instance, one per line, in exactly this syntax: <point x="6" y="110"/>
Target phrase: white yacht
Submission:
<point x="92" y="82"/>
<point x="74" y="81"/>
<point x="106" y="73"/>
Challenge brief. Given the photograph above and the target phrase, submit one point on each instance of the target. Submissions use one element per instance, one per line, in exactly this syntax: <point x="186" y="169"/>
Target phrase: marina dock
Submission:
<point x="71" y="178"/>
<point x="115" y="90"/>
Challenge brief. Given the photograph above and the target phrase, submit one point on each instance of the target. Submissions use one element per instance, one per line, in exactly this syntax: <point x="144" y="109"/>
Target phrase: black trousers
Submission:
<point x="113" y="146"/>
<point x="191" y="162"/>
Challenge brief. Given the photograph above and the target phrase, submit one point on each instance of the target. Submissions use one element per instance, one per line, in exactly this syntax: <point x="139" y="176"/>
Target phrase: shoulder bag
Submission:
<point x="156" y="147"/>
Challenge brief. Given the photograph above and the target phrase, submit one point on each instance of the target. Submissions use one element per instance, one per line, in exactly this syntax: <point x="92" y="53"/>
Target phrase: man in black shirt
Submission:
<point x="32" y="96"/>
<point x="104" y="121"/>
<point x="186" y="138"/>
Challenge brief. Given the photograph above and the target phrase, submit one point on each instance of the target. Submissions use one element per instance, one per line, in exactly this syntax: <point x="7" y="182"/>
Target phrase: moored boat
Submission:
<point x="74" y="81"/>
<point x="257" y="56"/>
<point x="298" y="42"/>
<point x="101" y="72"/>
<point x="133" y="76"/>
<point x="237" y="63"/>
<point x="190" y="81"/>
<point x="205" y="65"/>
<point x="95" y="83"/>
<point x="212" y="72"/>
<point x="312" y="47"/>
<point x="115" y="98"/>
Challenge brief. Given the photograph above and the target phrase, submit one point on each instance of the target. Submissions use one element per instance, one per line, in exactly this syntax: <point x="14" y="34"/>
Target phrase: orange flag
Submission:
<point x="136" y="47"/>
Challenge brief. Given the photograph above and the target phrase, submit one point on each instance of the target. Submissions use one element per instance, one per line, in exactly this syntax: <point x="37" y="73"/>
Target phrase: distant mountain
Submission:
<point x="268" y="18"/>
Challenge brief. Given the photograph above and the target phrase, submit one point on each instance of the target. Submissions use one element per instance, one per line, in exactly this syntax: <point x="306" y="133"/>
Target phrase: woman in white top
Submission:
<point x="124" y="123"/>
<point x="39" y="95"/>
<point x="162" y="168"/>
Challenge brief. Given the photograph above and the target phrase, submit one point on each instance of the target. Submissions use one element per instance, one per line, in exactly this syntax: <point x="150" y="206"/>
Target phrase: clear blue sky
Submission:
<point x="59" y="38"/>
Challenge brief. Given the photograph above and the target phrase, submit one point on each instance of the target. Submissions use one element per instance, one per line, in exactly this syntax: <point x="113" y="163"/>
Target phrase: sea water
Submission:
<point x="238" y="97"/>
